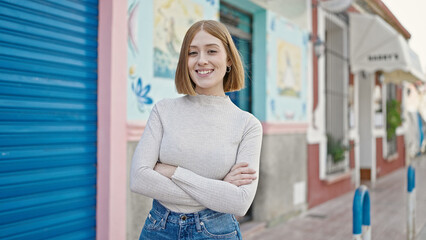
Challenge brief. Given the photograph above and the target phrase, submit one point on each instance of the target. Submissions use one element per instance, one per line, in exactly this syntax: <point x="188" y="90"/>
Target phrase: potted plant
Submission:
<point x="393" y="117"/>
<point x="336" y="149"/>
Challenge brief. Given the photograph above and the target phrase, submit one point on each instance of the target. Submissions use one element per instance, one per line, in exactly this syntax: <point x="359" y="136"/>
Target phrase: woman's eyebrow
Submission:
<point x="207" y="45"/>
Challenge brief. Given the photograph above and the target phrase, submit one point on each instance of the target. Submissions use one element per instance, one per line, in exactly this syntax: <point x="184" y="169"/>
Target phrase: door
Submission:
<point x="367" y="162"/>
<point x="48" y="119"/>
<point x="239" y="24"/>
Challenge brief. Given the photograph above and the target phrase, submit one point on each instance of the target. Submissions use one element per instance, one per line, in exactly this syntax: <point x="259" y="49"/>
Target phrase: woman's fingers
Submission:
<point x="242" y="182"/>
<point x="239" y="165"/>
<point x="240" y="179"/>
<point x="240" y="174"/>
<point x="242" y="170"/>
<point x="245" y="170"/>
<point x="243" y="176"/>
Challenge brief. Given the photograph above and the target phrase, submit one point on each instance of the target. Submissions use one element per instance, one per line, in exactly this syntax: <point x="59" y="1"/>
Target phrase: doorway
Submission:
<point x="240" y="25"/>
<point x="366" y="139"/>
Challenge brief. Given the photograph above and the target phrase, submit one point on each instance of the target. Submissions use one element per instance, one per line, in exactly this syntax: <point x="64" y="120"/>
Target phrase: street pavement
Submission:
<point x="333" y="219"/>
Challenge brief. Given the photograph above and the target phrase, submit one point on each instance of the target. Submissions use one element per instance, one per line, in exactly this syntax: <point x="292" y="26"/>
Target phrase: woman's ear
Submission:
<point x="229" y="62"/>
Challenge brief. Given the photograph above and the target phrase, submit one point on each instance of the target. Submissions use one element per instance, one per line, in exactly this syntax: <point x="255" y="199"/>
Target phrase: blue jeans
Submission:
<point x="163" y="224"/>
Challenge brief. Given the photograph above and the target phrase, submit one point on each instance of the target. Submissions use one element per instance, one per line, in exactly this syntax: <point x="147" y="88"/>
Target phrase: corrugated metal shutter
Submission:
<point x="48" y="119"/>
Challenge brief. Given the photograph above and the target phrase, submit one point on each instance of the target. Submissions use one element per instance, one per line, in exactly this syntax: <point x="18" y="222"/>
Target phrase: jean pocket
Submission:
<point x="152" y="222"/>
<point x="219" y="228"/>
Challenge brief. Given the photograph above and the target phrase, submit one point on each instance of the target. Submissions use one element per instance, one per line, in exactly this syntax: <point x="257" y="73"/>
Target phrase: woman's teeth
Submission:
<point x="204" y="71"/>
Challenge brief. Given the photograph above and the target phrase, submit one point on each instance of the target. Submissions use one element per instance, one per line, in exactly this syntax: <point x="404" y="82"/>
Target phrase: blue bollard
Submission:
<point x="361" y="214"/>
<point x="411" y="203"/>
<point x="411" y="179"/>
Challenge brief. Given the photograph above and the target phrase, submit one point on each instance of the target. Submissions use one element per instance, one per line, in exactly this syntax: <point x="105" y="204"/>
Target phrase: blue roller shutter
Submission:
<point x="48" y="119"/>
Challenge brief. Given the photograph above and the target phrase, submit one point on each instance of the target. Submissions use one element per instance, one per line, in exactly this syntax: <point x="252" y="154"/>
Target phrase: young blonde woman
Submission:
<point x="198" y="157"/>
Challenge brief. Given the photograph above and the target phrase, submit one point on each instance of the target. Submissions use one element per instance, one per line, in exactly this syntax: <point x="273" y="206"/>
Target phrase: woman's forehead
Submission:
<point x="203" y="38"/>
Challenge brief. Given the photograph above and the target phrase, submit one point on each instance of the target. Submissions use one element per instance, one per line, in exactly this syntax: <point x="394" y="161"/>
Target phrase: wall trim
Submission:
<point x="112" y="145"/>
<point x="332" y="179"/>
<point x="135" y="130"/>
<point x="284" y="128"/>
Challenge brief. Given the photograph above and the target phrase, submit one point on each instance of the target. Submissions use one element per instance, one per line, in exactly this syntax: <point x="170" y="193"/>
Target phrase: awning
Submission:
<point x="335" y="6"/>
<point x="376" y="46"/>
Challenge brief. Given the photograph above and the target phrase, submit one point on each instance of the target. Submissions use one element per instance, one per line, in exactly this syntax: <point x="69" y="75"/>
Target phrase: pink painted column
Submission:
<point x="112" y="65"/>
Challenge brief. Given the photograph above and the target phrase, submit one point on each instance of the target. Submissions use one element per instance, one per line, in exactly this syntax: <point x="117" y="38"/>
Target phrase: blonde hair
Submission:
<point x="232" y="81"/>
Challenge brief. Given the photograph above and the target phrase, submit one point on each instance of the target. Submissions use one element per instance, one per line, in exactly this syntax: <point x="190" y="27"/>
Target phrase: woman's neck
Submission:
<point x="219" y="93"/>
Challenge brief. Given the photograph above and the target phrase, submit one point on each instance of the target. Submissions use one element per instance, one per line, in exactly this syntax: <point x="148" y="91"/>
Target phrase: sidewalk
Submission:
<point x="333" y="219"/>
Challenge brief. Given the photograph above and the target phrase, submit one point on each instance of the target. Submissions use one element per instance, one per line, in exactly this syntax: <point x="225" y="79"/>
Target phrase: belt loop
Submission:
<point x="164" y="220"/>
<point x="197" y="222"/>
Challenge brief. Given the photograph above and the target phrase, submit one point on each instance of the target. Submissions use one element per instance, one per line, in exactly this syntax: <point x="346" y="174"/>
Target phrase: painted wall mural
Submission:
<point x="156" y="31"/>
<point x="139" y="90"/>
<point x="289" y="79"/>
<point x="171" y="20"/>
<point x="287" y="71"/>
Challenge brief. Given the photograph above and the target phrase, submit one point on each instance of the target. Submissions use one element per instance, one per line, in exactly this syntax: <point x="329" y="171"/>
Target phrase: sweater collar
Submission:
<point x="209" y="99"/>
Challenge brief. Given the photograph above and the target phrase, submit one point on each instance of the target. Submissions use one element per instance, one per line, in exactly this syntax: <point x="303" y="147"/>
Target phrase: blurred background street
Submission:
<point x="333" y="220"/>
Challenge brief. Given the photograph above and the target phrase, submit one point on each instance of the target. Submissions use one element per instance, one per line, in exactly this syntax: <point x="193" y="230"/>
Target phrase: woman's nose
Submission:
<point x="202" y="60"/>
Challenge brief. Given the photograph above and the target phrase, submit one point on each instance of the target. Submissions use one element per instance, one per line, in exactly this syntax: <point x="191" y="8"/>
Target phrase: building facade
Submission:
<point x="357" y="91"/>
<point x="78" y="81"/>
<point x="275" y="52"/>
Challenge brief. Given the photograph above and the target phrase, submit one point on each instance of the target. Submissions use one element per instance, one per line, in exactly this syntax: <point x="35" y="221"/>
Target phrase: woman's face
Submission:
<point x="207" y="61"/>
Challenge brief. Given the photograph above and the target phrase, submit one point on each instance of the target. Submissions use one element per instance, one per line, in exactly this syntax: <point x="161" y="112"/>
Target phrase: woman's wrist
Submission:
<point x="165" y="169"/>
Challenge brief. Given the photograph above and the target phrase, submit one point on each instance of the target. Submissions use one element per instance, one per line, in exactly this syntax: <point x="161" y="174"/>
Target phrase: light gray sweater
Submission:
<point x="204" y="136"/>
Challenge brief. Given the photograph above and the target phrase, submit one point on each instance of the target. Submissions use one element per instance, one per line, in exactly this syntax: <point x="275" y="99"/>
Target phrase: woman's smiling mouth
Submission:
<point x="204" y="72"/>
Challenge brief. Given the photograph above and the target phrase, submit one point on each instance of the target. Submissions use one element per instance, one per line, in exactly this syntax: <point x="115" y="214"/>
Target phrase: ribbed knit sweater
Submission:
<point x="204" y="136"/>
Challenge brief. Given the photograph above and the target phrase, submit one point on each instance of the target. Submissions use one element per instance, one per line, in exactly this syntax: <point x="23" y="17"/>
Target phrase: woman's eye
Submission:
<point x="212" y="51"/>
<point x="192" y="53"/>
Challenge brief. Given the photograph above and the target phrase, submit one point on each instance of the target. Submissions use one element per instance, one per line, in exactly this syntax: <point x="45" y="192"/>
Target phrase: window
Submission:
<point x="392" y="106"/>
<point x="336" y="93"/>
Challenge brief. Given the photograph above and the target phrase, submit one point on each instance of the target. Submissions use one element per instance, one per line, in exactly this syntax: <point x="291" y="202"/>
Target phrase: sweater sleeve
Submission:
<point x="223" y="196"/>
<point x="143" y="179"/>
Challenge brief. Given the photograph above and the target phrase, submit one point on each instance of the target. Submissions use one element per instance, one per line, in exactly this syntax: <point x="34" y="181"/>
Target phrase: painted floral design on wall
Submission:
<point x="141" y="92"/>
<point x="139" y="88"/>
<point x="133" y="27"/>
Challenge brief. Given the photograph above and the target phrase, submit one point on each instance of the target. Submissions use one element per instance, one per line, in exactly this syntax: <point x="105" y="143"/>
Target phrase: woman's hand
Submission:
<point x="240" y="174"/>
<point x="165" y="169"/>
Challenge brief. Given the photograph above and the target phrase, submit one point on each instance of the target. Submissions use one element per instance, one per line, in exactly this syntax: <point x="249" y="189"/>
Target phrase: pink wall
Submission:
<point x="112" y="75"/>
<point x="320" y="191"/>
<point x="386" y="166"/>
<point x="135" y="130"/>
<point x="284" y="128"/>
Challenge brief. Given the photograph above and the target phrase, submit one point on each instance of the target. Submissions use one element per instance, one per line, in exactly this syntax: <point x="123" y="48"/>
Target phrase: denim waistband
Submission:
<point x="184" y="218"/>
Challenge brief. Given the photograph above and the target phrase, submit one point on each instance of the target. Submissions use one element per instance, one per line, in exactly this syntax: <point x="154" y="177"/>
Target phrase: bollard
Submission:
<point x="361" y="214"/>
<point x="411" y="203"/>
